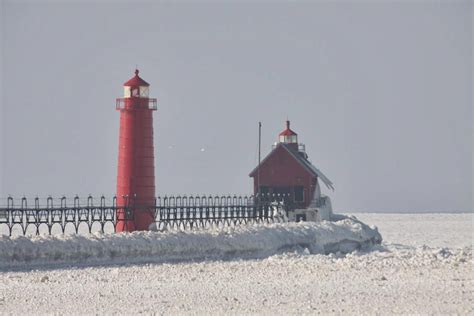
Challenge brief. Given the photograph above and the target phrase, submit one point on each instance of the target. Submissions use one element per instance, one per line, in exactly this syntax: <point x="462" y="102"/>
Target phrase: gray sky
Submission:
<point x="381" y="94"/>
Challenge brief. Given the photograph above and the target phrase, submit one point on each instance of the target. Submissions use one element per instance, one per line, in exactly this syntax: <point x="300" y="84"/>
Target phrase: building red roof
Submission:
<point x="136" y="81"/>
<point x="300" y="159"/>
<point x="288" y="131"/>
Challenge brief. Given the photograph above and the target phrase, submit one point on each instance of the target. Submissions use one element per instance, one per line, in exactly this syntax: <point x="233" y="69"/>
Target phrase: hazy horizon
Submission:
<point x="380" y="94"/>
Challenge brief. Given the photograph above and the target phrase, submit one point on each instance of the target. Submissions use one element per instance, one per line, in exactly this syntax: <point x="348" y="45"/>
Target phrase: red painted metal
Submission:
<point x="136" y="170"/>
<point x="288" y="131"/>
<point x="136" y="81"/>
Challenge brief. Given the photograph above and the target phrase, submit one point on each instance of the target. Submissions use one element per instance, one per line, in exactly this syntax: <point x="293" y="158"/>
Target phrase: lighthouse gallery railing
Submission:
<point x="47" y="216"/>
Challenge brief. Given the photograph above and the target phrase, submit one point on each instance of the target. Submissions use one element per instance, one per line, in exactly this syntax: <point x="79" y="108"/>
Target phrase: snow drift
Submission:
<point x="257" y="241"/>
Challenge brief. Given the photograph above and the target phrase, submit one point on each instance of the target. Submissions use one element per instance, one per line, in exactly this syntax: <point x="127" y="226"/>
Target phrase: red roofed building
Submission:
<point x="287" y="170"/>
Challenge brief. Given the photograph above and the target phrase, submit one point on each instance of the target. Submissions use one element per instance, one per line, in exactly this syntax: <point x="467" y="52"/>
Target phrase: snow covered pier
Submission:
<point x="244" y="241"/>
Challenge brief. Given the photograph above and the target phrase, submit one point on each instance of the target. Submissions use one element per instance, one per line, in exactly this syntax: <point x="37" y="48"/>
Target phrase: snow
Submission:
<point x="424" y="266"/>
<point x="243" y="241"/>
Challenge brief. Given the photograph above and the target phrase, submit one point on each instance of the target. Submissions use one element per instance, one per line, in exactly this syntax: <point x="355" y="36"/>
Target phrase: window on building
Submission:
<point x="298" y="194"/>
<point x="264" y="189"/>
<point x="282" y="190"/>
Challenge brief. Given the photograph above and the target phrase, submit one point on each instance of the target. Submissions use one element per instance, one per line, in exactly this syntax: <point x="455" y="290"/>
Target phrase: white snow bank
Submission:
<point x="256" y="241"/>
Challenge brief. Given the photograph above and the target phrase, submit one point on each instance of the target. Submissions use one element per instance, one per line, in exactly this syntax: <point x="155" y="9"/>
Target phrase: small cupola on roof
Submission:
<point x="288" y="136"/>
<point x="136" y="87"/>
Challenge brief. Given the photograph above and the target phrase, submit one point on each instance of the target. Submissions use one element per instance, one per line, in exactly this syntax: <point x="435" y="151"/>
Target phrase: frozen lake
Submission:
<point x="425" y="265"/>
<point x="431" y="229"/>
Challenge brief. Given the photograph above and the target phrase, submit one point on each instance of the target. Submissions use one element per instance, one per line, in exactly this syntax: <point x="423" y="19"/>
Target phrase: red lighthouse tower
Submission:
<point x="136" y="169"/>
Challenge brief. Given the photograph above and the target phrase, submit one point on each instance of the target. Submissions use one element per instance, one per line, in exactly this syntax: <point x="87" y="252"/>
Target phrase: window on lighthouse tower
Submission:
<point x="136" y="92"/>
<point x="126" y="92"/>
<point x="144" y="91"/>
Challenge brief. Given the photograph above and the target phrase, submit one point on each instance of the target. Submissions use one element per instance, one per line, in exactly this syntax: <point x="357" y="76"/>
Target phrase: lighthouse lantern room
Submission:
<point x="288" y="136"/>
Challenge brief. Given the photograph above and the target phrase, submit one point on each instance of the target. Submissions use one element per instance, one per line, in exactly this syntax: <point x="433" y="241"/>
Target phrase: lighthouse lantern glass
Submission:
<point x="135" y="92"/>
<point x="144" y="92"/>
<point x="126" y="92"/>
<point x="291" y="139"/>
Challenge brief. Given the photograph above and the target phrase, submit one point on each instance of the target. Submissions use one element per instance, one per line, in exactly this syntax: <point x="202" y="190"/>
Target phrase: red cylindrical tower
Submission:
<point x="136" y="169"/>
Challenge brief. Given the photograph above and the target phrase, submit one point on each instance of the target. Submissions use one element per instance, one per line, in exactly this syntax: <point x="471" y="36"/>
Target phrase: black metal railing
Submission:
<point x="145" y="103"/>
<point x="48" y="216"/>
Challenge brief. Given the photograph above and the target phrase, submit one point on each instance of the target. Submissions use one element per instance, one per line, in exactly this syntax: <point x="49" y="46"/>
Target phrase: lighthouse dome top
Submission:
<point x="136" y="87"/>
<point x="136" y="81"/>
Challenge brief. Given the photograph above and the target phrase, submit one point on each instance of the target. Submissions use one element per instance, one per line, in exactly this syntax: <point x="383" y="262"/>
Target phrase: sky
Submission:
<point x="379" y="92"/>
